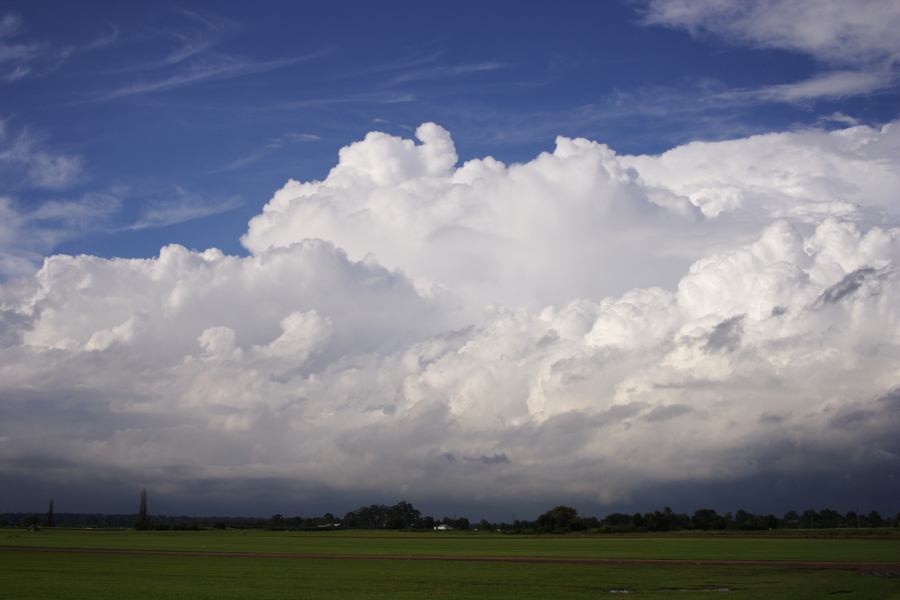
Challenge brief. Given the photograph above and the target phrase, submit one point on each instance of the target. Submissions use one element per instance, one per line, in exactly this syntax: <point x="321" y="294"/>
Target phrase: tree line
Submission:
<point x="403" y="515"/>
<point x="566" y="518"/>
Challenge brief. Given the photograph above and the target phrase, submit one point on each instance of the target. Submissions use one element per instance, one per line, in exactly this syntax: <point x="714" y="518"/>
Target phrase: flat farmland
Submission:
<point x="233" y="564"/>
<point x="461" y="544"/>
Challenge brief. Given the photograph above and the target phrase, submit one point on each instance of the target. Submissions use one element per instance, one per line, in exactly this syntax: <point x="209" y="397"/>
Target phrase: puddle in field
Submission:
<point x="884" y="573"/>
<point x="711" y="588"/>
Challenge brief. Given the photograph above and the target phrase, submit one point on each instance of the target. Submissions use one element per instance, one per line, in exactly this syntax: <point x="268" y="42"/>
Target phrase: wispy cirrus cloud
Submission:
<point x="195" y="35"/>
<point x="382" y="97"/>
<point x="195" y="57"/>
<point x="16" y="57"/>
<point x="179" y="207"/>
<point x="28" y="232"/>
<point x="26" y="161"/>
<point x="271" y="145"/>
<point x="829" y="85"/>
<point x="446" y="71"/>
<point x="106" y="38"/>
<point x="211" y="69"/>
<point x="833" y="32"/>
<point x="857" y="40"/>
<point x="417" y="60"/>
<point x="21" y="59"/>
<point x="213" y="29"/>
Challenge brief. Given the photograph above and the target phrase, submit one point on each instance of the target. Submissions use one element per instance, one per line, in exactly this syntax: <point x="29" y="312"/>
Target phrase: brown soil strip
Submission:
<point x="878" y="567"/>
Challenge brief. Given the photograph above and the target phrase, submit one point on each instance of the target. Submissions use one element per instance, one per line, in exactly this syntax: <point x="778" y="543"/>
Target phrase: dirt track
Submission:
<point x="892" y="568"/>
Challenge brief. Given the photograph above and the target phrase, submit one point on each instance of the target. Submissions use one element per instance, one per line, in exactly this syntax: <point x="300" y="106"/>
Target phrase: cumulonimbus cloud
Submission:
<point x="603" y="323"/>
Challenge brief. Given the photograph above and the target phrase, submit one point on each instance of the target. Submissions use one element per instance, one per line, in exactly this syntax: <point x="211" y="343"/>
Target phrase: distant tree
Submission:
<point x="706" y="518"/>
<point x="873" y="519"/>
<point x="277" y="521"/>
<point x="619" y="522"/>
<point x="50" y="522"/>
<point x="809" y="518"/>
<point x="661" y="520"/>
<point x="591" y="522"/>
<point x="638" y="520"/>
<point x="559" y="518"/>
<point x="31" y="521"/>
<point x="829" y="518"/>
<point x="744" y="520"/>
<point x="403" y="515"/>
<point x="143" y="519"/>
<point x="791" y="520"/>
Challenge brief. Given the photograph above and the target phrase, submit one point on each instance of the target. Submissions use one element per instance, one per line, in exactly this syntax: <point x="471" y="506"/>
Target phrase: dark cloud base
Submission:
<point x="842" y="489"/>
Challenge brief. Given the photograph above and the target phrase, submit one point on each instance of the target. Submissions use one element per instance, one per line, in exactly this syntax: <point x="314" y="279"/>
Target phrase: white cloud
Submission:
<point x="858" y="36"/>
<point x="835" y="84"/>
<point x="836" y="32"/>
<point x="485" y="229"/>
<point x="804" y="175"/>
<point x="582" y="325"/>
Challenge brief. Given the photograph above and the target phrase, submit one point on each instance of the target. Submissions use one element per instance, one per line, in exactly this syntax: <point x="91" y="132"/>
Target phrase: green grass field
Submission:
<point x="27" y="574"/>
<point x="470" y="544"/>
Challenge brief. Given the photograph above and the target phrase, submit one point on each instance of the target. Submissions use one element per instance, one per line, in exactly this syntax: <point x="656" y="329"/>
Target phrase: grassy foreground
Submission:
<point x="31" y="574"/>
<point x="27" y="575"/>
<point x="469" y="544"/>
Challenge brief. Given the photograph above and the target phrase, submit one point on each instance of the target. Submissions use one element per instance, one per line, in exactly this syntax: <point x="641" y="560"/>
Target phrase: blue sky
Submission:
<point x="480" y="256"/>
<point x="182" y="118"/>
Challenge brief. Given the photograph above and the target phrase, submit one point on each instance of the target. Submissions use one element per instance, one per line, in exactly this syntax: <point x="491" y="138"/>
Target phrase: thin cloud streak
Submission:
<point x="361" y="98"/>
<point x="35" y="59"/>
<point x="446" y="72"/>
<point x="212" y="72"/>
<point x="836" y="84"/>
<point x="181" y="209"/>
<point x="269" y="147"/>
<point x="105" y="39"/>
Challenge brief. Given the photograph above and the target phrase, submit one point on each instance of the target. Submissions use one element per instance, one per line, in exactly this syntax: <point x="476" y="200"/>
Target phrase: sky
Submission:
<point x="485" y="257"/>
